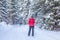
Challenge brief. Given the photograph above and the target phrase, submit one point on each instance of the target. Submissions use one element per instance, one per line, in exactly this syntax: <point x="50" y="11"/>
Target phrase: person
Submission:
<point x="31" y="26"/>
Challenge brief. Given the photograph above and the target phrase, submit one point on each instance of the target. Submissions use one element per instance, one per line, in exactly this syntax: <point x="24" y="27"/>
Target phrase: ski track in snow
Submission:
<point x="20" y="32"/>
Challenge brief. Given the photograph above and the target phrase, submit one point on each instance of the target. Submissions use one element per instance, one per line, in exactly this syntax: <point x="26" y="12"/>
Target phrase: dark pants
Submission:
<point x="31" y="29"/>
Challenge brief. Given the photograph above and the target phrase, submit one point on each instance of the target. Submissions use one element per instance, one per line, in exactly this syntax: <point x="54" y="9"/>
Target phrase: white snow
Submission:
<point x="20" y="32"/>
<point x="4" y="26"/>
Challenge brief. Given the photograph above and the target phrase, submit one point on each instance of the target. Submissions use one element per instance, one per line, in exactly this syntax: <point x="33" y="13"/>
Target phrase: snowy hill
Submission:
<point x="19" y="32"/>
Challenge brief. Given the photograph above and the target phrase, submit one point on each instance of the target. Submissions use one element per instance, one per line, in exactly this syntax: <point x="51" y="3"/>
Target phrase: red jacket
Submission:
<point x="31" y="21"/>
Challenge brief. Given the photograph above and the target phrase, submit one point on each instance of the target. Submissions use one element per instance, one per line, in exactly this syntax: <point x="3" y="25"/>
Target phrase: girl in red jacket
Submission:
<point x="31" y="26"/>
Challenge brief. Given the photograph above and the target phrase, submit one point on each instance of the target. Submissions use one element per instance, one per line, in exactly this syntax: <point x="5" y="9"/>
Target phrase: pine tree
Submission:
<point x="54" y="17"/>
<point x="3" y="10"/>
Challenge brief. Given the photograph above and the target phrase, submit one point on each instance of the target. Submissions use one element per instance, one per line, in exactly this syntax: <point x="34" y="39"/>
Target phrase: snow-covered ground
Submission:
<point x="19" y="32"/>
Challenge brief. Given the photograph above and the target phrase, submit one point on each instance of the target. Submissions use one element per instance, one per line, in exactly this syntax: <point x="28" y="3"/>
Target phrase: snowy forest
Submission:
<point x="45" y="12"/>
